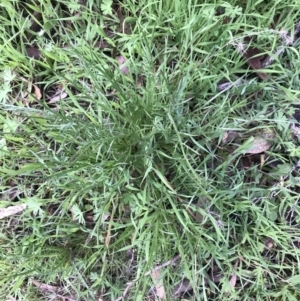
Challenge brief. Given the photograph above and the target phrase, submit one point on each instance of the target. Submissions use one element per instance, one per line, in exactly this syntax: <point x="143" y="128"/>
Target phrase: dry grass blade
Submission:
<point x="165" y="264"/>
<point x="51" y="288"/>
<point x="45" y="287"/>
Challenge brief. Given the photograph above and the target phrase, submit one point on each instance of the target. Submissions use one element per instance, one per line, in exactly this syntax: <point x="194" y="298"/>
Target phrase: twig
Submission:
<point x="181" y="288"/>
<point x="172" y="261"/>
<point x="128" y="286"/>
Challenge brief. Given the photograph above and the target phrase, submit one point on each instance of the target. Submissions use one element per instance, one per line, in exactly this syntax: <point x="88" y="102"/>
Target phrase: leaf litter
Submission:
<point x="258" y="145"/>
<point x="11" y="210"/>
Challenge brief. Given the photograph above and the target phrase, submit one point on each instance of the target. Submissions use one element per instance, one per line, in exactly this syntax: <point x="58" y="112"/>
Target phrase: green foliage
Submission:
<point x="129" y="170"/>
<point x="106" y="7"/>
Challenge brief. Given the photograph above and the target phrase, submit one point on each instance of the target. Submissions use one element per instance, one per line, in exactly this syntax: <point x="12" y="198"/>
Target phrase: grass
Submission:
<point x="132" y="170"/>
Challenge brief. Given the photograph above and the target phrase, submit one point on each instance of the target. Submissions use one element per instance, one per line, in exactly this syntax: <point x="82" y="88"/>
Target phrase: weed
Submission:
<point x="140" y="184"/>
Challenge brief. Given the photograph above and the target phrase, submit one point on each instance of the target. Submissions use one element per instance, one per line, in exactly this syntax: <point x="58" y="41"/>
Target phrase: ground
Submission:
<point x="149" y="150"/>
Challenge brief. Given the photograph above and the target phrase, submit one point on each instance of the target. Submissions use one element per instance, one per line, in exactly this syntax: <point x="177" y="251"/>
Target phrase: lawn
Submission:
<point x="149" y="150"/>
